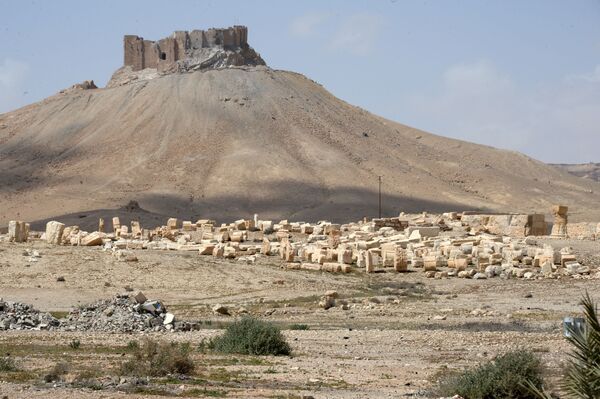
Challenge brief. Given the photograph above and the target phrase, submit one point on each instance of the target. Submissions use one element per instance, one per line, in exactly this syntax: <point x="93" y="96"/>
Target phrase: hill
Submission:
<point x="227" y="143"/>
<point x="586" y="170"/>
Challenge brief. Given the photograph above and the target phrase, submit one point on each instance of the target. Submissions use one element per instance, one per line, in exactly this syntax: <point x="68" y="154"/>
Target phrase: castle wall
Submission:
<point x="133" y="52"/>
<point x="150" y="54"/>
<point x="196" y="39"/>
<point x="139" y="53"/>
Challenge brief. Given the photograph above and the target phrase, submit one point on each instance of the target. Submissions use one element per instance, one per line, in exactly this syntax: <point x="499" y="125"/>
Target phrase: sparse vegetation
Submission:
<point x="133" y="345"/>
<point x="75" y="344"/>
<point x="158" y="359"/>
<point x="57" y="372"/>
<point x="251" y="336"/>
<point x="504" y="377"/>
<point x="8" y="364"/>
<point x="299" y="327"/>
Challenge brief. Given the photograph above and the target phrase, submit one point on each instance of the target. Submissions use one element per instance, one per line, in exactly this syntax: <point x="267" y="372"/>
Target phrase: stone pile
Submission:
<point x="120" y="314"/>
<point x="20" y="316"/>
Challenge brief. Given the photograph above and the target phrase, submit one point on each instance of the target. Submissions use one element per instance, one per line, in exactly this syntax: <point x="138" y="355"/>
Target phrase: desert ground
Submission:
<point x="400" y="333"/>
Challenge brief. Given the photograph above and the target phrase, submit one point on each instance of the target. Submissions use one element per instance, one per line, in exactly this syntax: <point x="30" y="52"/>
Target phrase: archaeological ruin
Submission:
<point x="191" y="48"/>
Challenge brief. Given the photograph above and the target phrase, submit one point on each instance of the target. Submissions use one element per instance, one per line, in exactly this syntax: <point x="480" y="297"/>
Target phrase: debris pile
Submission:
<point x="120" y="314"/>
<point x="20" y="316"/>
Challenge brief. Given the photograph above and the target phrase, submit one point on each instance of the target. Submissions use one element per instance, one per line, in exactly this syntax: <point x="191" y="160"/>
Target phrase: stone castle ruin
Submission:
<point x="185" y="51"/>
<point x="189" y="50"/>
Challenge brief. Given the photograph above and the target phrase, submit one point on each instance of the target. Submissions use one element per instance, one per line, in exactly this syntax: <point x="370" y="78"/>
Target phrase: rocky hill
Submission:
<point x="230" y="142"/>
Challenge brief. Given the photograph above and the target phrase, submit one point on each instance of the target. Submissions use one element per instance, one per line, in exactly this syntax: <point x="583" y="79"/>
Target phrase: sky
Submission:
<point x="513" y="74"/>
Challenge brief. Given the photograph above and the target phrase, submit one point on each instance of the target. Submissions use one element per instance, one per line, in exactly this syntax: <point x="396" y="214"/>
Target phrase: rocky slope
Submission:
<point x="231" y="142"/>
<point x="586" y="170"/>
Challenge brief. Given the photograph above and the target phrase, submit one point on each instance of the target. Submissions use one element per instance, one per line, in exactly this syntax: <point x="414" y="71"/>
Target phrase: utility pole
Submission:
<point x="379" y="197"/>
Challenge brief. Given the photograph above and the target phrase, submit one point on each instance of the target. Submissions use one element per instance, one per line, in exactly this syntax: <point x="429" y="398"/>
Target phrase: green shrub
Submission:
<point x="157" y="359"/>
<point x="300" y="327"/>
<point x="251" y="336"/>
<point x="583" y="374"/>
<point x="504" y="377"/>
<point x="8" y="364"/>
<point x="75" y="344"/>
<point x="133" y="345"/>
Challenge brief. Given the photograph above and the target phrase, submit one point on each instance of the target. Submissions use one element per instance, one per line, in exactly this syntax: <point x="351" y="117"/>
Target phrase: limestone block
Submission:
<point x="332" y="267"/>
<point x="229" y="252"/>
<point x="564" y="258"/>
<point x="345" y="256"/>
<point x="461" y="263"/>
<point x="289" y="253"/>
<point x="101" y="225"/>
<point x="218" y="251"/>
<point x="431" y="262"/>
<point x="369" y="262"/>
<point x="546" y="268"/>
<point x="221" y="237"/>
<point x="54" y="232"/>
<point x="136" y="228"/>
<point x="306" y="229"/>
<point x="18" y="231"/>
<point x="361" y="258"/>
<point x="400" y="261"/>
<point x="559" y="228"/>
<point x="266" y="226"/>
<point x="116" y="225"/>
<point x="92" y="239"/>
<point x="237" y="236"/>
<point x="310" y="266"/>
<point x="266" y="247"/>
<point x="124" y="231"/>
<point x="173" y="223"/>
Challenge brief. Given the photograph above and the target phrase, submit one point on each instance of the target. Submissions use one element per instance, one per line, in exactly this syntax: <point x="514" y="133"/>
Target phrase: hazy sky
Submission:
<point x="522" y="75"/>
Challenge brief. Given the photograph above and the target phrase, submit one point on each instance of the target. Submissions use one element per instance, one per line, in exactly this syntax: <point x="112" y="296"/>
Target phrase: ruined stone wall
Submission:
<point x="162" y="54"/>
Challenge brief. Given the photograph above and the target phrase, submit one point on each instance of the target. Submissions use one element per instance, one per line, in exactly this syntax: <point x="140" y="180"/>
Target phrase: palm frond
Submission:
<point x="582" y="380"/>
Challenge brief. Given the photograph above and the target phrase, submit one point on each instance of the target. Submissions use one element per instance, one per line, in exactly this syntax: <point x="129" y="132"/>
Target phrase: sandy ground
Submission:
<point x="401" y="332"/>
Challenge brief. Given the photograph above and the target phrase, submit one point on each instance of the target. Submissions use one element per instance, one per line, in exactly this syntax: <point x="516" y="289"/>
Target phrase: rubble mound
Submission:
<point x="21" y="316"/>
<point x="120" y="314"/>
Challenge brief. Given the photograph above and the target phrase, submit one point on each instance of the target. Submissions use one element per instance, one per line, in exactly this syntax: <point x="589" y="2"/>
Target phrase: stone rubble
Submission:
<point x="20" y="316"/>
<point x="123" y="313"/>
<point x="463" y="245"/>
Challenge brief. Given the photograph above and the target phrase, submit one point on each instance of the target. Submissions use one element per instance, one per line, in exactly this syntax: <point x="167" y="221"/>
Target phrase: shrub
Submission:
<point x="505" y="377"/>
<point x="301" y="327"/>
<point x="133" y="345"/>
<point x="8" y="364"/>
<point x="158" y="359"/>
<point x="250" y="336"/>
<point x="74" y="344"/>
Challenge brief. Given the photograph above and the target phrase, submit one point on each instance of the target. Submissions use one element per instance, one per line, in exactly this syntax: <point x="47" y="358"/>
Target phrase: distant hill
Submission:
<point x="586" y="170"/>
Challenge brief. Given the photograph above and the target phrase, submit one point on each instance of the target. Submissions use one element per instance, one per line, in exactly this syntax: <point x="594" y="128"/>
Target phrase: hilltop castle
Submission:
<point x="198" y="49"/>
